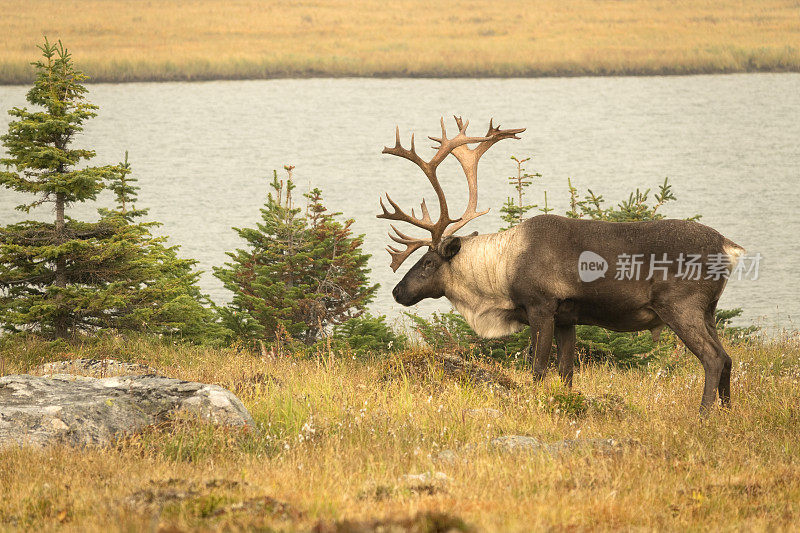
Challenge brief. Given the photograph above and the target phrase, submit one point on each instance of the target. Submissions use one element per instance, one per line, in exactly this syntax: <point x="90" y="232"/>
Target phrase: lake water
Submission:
<point x="203" y="152"/>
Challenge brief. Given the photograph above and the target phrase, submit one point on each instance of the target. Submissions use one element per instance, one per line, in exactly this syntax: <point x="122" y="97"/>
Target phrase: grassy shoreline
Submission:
<point x="337" y="434"/>
<point x="126" y="40"/>
<point x="14" y="75"/>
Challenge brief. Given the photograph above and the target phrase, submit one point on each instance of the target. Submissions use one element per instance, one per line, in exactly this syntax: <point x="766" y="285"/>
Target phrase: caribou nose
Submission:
<point x="401" y="296"/>
<point x="396" y="293"/>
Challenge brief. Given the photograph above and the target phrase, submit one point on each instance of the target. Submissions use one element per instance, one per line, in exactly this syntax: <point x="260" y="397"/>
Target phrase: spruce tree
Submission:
<point x="267" y="278"/>
<point x="149" y="288"/>
<point x="514" y="212"/>
<point x="39" y="259"/>
<point x="299" y="274"/>
<point x="635" y="209"/>
<point x="342" y="289"/>
<point x="63" y="278"/>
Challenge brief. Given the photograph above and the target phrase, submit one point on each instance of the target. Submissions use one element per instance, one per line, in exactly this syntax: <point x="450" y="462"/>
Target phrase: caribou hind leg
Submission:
<point x="724" y="387"/>
<point x="565" y="341"/>
<point x="690" y="324"/>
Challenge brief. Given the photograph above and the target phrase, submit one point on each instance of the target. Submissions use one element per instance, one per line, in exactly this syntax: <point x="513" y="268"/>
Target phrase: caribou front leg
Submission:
<point x="565" y="340"/>
<point x="541" y="343"/>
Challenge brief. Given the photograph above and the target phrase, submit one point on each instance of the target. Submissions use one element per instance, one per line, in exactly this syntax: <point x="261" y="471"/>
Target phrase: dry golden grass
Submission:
<point x="337" y="433"/>
<point x="125" y="40"/>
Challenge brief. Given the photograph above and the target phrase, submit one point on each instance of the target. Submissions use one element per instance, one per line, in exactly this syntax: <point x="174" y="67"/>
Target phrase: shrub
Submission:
<point x="450" y="331"/>
<point x="369" y="334"/>
<point x="734" y="334"/>
<point x="298" y="275"/>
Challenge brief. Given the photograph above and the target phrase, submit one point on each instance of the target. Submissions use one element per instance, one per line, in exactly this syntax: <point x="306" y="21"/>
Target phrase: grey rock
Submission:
<point x="85" y="411"/>
<point x="96" y="368"/>
<point x="486" y="412"/>
<point x="601" y="445"/>
<point x="448" y="457"/>
<point x="426" y="478"/>
<point x="514" y="443"/>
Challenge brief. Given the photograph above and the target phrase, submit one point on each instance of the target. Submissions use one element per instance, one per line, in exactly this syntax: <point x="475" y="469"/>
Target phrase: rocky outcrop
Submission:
<point x="96" y="368"/>
<point x="85" y="411"/>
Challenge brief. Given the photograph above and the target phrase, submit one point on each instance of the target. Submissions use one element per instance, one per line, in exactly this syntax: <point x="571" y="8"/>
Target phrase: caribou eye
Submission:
<point x="428" y="263"/>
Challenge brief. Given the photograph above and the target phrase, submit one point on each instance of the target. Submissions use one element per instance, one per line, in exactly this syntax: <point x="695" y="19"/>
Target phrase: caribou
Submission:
<point x="552" y="272"/>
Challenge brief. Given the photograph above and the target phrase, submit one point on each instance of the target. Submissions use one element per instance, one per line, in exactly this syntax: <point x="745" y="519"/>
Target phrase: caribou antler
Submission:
<point x="469" y="162"/>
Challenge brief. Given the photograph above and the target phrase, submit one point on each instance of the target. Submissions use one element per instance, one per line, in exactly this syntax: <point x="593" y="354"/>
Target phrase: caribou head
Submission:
<point x="423" y="280"/>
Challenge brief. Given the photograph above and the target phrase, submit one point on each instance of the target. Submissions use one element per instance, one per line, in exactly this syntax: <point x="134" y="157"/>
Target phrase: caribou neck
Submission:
<point x="477" y="282"/>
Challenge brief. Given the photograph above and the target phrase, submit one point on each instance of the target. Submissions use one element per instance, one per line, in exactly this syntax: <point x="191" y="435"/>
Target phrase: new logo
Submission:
<point x="591" y="266"/>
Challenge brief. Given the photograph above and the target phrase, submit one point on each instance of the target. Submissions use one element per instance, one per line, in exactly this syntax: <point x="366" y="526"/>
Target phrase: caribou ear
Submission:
<point x="450" y="247"/>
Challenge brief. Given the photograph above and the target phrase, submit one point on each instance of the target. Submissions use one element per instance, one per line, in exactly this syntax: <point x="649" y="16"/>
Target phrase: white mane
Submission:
<point x="478" y="282"/>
